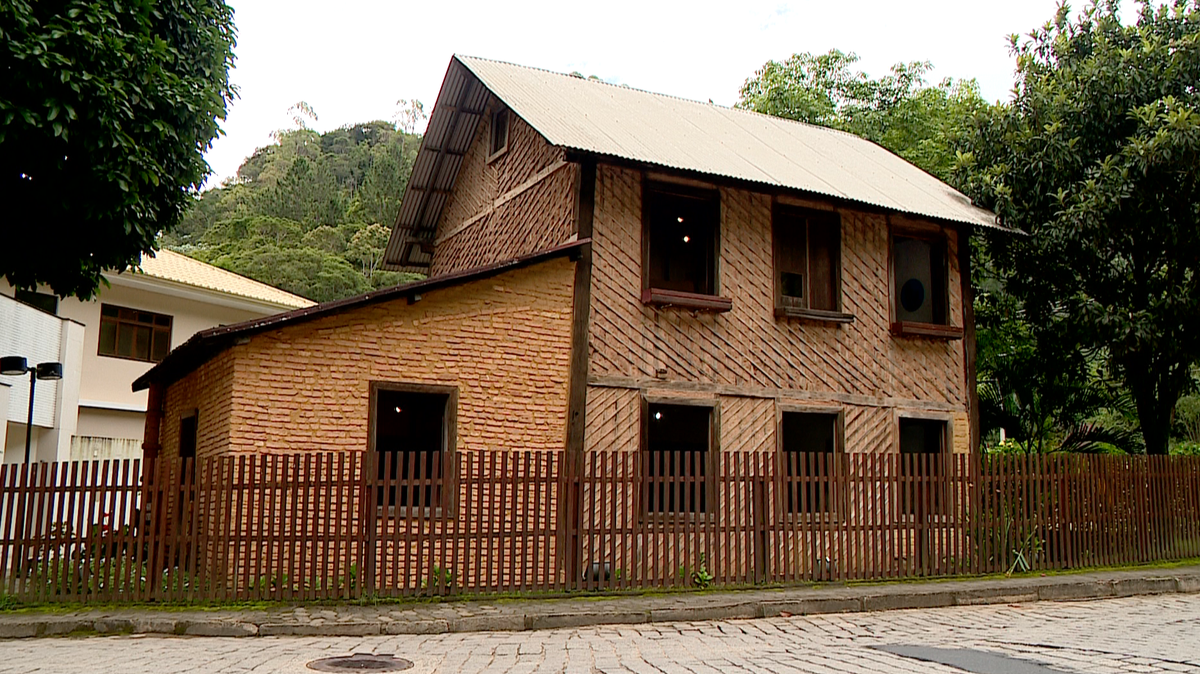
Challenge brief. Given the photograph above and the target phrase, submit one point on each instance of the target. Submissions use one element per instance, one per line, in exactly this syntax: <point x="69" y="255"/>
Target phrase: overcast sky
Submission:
<point x="352" y="59"/>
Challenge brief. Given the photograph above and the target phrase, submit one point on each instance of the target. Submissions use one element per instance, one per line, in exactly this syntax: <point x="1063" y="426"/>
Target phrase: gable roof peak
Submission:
<point x="609" y="121"/>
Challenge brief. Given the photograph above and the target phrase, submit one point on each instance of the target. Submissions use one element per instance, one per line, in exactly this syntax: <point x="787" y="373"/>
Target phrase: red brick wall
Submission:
<point x="504" y="342"/>
<point x="208" y="389"/>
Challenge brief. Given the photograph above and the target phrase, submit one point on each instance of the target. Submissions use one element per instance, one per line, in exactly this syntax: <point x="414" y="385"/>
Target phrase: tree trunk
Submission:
<point x="1154" y="415"/>
<point x="1157" y="440"/>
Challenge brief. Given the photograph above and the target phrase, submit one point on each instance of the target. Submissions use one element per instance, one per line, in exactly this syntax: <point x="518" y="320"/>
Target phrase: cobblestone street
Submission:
<point x="1137" y="634"/>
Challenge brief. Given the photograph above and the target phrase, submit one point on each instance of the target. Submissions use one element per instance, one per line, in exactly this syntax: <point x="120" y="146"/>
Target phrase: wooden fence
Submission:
<point x="312" y="525"/>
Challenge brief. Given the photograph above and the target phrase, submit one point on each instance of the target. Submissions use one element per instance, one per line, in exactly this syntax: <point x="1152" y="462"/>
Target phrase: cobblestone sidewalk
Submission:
<point x="1132" y="635"/>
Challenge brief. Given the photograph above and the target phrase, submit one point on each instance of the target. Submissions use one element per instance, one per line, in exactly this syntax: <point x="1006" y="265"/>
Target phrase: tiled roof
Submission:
<point x="171" y="266"/>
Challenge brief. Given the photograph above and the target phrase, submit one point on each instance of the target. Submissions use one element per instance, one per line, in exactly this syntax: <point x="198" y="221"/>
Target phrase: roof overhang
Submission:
<point x="626" y="126"/>
<point x="206" y="344"/>
<point x="171" y="288"/>
<point x="455" y="119"/>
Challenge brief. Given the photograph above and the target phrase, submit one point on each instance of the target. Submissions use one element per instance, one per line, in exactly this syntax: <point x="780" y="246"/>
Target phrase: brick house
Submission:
<point x="611" y="269"/>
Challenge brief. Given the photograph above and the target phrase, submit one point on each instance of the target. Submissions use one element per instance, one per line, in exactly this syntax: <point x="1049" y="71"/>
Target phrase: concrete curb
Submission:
<point x="547" y="614"/>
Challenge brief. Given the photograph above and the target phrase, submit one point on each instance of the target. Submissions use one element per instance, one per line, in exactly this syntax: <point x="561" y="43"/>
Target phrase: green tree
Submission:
<point x="106" y="111"/>
<point x="308" y="207"/>
<point x="898" y="111"/>
<point x="1097" y="159"/>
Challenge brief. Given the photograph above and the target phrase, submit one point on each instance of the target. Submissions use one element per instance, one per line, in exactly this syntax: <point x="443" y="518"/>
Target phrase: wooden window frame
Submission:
<point x="943" y="490"/>
<point x="448" y="507"/>
<point x="673" y="298"/>
<point x="782" y="310"/>
<point x="922" y="415"/>
<point x="711" y="461"/>
<point x="170" y="329"/>
<point x="839" y="450"/>
<point x="940" y="239"/>
<point x="501" y="111"/>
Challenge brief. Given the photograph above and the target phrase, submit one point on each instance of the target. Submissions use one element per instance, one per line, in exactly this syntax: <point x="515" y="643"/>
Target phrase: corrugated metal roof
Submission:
<point x="594" y="117"/>
<point x="452" y="126"/>
<point x="606" y="119"/>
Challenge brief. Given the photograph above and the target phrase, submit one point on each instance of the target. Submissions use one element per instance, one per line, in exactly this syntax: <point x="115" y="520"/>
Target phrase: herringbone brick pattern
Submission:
<point x="748" y="346"/>
<point x="540" y="217"/>
<point x="514" y="205"/>
<point x="860" y="366"/>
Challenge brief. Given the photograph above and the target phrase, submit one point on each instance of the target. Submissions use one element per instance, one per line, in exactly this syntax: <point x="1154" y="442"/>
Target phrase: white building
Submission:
<point x="106" y="343"/>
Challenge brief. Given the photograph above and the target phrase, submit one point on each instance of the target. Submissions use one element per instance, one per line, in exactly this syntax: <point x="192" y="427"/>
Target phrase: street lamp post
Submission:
<point x="15" y="366"/>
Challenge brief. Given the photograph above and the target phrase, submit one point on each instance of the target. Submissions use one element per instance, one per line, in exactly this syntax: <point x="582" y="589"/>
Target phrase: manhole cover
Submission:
<point x="361" y="662"/>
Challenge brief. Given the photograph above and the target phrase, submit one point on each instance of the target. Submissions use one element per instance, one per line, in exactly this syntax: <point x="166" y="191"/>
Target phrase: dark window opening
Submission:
<point x="675" y="458"/>
<point x="499" y="131"/>
<point x="922" y="441"/>
<point x="920" y="280"/>
<point x="44" y="301"/>
<point x="809" y="442"/>
<point x="807" y="259"/>
<point x="681" y="239"/>
<point x="188" y="428"/>
<point x="135" y="334"/>
<point x="411" y="437"/>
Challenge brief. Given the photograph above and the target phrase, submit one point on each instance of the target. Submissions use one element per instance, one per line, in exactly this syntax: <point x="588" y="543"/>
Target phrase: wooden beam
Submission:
<point x="585" y="202"/>
<point x="469" y="84"/>
<point x="780" y="394"/>
<point x="811" y="199"/>
<point x="151" y="436"/>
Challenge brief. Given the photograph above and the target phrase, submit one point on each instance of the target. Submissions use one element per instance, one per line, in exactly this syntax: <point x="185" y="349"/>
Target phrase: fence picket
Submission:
<point x="303" y="527"/>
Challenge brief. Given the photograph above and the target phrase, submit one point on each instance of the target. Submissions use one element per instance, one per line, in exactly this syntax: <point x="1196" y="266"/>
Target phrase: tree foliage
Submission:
<point x="1097" y="159"/>
<point x="898" y="111"/>
<point x="105" y="113"/>
<point x="310" y="213"/>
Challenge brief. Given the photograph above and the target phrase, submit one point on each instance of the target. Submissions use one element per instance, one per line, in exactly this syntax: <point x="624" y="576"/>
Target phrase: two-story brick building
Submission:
<point x="615" y="269"/>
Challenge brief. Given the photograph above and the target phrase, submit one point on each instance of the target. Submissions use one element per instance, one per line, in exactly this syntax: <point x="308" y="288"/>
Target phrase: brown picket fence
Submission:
<point x="314" y="525"/>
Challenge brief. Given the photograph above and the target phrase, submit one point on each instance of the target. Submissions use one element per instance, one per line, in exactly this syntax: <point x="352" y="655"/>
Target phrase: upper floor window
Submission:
<point x="920" y="286"/>
<point x="808" y="251"/>
<point x="499" y="139"/>
<point x="681" y="227"/>
<point x="133" y="333"/>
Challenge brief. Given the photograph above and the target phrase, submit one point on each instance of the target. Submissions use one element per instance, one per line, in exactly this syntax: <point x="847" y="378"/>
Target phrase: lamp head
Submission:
<point x="49" y="371"/>
<point x="13" y="365"/>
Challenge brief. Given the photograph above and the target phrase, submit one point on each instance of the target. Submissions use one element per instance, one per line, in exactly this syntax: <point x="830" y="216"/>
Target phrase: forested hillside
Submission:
<point x="309" y="213"/>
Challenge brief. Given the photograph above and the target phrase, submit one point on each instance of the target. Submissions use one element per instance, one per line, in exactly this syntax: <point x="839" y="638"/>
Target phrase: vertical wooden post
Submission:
<point x="367" y="521"/>
<point x="570" y="494"/>
<point x="968" y="302"/>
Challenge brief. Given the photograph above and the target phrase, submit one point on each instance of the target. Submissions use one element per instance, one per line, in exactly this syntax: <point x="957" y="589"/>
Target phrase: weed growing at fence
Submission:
<point x="440" y="581"/>
<point x="701" y="577"/>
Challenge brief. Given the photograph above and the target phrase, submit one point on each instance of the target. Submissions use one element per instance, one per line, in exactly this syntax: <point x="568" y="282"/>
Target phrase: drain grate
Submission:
<point x="361" y="662"/>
